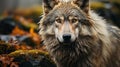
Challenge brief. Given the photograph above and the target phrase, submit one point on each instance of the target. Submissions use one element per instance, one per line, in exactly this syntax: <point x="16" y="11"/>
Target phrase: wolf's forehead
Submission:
<point x="67" y="10"/>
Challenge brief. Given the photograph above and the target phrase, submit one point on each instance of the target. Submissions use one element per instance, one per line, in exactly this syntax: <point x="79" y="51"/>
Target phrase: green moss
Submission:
<point x="28" y="52"/>
<point x="33" y="52"/>
<point x="18" y="53"/>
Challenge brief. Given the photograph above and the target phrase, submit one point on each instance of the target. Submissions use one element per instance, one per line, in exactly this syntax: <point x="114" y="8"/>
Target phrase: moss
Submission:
<point x="29" y="52"/>
<point x="18" y="53"/>
<point x="33" y="52"/>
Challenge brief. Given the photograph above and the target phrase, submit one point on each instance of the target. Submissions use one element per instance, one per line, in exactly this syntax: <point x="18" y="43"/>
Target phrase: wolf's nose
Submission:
<point x="66" y="38"/>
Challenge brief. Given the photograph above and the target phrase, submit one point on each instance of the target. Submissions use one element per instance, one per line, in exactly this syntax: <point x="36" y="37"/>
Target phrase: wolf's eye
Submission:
<point x="85" y="22"/>
<point x="58" y="20"/>
<point x="74" y="20"/>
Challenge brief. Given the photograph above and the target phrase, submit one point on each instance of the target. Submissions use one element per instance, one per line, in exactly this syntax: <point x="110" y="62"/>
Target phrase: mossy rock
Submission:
<point x="35" y="58"/>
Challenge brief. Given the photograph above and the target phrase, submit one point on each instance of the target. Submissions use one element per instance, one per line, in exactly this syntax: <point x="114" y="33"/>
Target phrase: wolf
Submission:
<point x="75" y="36"/>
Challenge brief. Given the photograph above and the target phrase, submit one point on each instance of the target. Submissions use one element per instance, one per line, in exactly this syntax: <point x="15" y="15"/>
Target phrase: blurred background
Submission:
<point x="20" y="44"/>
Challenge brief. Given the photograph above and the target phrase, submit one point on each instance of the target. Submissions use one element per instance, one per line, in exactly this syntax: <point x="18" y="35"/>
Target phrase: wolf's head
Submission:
<point x="66" y="20"/>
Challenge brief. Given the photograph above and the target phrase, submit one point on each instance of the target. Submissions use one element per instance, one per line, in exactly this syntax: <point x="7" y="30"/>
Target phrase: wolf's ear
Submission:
<point x="83" y="4"/>
<point x="48" y="5"/>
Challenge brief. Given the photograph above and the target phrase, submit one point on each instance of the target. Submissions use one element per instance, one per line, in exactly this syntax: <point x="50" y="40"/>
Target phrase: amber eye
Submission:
<point x="74" y="20"/>
<point x="58" y="20"/>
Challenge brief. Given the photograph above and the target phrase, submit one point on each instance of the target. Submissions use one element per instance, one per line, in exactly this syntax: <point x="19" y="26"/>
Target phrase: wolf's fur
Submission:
<point x="97" y="45"/>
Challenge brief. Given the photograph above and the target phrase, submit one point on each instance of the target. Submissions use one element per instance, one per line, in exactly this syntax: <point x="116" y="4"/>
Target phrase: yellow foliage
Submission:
<point x="96" y="5"/>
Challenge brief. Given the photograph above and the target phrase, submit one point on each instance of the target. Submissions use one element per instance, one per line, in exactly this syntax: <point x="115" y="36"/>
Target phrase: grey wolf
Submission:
<point x="76" y="36"/>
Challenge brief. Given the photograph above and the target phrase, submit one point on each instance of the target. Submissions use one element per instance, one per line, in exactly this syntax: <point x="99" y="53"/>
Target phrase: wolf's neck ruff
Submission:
<point x="70" y="55"/>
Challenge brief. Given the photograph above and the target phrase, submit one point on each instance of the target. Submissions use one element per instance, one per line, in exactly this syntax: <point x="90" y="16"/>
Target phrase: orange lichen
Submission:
<point x="17" y="31"/>
<point x="35" y="36"/>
